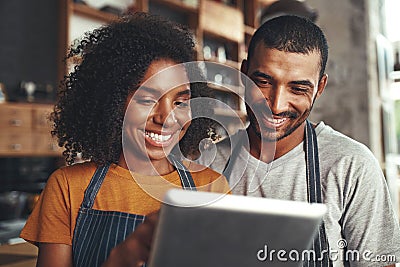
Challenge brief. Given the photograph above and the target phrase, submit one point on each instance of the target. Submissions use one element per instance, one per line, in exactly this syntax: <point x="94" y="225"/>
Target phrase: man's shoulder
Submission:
<point x="337" y="144"/>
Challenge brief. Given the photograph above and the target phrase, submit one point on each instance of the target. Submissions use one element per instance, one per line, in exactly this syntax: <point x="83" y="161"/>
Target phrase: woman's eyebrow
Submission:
<point x="184" y="92"/>
<point x="148" y="90"/>
<point x="155" y="92"/>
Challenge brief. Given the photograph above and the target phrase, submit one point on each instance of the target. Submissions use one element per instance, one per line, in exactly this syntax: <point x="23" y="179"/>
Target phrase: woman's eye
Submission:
<point x="182" y="104"/>
<point x="147" y="102"/>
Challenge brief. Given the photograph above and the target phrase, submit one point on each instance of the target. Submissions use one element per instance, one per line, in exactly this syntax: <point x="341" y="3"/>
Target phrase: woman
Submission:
<point x="125" y="122"/>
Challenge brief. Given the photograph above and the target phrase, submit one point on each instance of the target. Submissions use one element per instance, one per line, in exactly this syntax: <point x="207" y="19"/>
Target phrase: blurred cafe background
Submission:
<point x="362" y="99"/>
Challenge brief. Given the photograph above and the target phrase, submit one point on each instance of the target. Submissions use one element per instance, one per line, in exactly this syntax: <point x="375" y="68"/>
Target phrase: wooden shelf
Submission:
<point x="230" y="113"/>
<point x="178" y="6"/>
<point x="221" y="21"/>
<point x="249" y="30"/>
<point x="233" y="64"/>
<point x="266" y="2"/>
<point x="230" y="63"/>
<point x="92" y="13"/>
<point x="233" y="89"/>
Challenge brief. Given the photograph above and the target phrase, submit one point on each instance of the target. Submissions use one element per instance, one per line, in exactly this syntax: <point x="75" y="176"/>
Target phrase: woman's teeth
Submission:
<point x="158" y="137"/>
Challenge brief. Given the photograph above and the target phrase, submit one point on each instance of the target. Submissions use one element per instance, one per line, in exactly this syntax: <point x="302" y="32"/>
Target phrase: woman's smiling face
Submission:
<point x="158" y="113"/>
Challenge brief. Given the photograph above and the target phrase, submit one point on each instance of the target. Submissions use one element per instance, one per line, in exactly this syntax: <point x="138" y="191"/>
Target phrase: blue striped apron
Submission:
<point x="97" y="232"/>
<point x="320" y="243"/>
<point x="314" y="194"/>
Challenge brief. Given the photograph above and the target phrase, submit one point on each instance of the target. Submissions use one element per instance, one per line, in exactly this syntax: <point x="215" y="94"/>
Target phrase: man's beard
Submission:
<point x="268" y="135"/>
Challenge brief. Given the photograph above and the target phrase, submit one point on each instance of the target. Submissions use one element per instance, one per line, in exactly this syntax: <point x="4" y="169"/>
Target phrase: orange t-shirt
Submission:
<point x="54" y="216"/>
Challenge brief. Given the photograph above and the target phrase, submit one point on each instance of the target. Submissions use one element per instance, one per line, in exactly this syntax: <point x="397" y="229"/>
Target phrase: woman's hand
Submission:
<point x="134" y="251"/>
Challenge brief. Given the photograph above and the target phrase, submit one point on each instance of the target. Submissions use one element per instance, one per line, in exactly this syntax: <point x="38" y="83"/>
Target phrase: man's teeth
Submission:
<point x="276" y="121"/>
<point x="158" y="137"/>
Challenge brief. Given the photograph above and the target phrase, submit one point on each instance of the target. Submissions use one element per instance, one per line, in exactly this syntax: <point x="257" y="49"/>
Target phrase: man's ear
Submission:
<point x="321" y="85"/>
<point x="243" y="68"/>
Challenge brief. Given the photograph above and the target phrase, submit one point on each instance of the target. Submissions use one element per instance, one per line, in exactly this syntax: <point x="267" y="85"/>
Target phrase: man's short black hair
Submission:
<point x="291" y="33"/>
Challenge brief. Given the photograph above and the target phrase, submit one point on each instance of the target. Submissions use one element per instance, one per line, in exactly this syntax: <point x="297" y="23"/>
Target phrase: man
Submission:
<point x="286" y="61"/>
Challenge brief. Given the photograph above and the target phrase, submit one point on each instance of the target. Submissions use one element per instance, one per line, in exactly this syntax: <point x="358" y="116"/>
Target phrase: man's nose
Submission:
<point x="278" y="100"/>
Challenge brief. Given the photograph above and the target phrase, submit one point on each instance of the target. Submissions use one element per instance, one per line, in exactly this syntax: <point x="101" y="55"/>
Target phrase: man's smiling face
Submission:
<point x="289" y="84"/>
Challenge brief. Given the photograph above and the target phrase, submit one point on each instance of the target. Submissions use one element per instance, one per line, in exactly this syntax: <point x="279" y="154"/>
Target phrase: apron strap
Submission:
<point x="98" y="178"/>
<point x="184" y="174"/>
<point x="312" y="165"/>
<point x="228" y="168"/>
<point x="94" y="186"/>
<point x="320" y="244"/>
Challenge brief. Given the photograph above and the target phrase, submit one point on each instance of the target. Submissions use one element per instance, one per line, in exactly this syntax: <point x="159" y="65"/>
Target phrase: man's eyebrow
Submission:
<point x="266" y="76"/>
<point x="303" y="82"/>
<point x="261" y="74"/>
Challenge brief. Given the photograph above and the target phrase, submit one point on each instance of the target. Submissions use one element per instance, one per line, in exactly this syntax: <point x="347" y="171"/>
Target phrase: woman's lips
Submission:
<point x="158" y="139"/>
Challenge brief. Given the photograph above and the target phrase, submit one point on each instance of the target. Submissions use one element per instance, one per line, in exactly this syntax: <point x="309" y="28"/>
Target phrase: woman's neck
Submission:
<point x="146" y="166"/>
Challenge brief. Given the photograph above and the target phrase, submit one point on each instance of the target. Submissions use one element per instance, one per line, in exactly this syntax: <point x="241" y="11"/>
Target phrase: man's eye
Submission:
<point x="299" y="90"/>
<point x="262" y="82"/>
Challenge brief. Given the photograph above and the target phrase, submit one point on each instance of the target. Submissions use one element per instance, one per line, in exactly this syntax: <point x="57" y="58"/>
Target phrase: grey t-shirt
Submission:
<point x="360" y="219"/>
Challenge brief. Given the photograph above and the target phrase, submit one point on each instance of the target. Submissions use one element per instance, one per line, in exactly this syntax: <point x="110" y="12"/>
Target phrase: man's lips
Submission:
<point x="274" y="122"/>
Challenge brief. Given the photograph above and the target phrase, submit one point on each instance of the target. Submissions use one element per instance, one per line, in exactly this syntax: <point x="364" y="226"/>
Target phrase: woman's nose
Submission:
<point x="164" y="114"/>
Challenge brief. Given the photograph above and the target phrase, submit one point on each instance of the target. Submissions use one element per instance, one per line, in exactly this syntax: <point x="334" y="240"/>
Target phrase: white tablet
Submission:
<point x="200" y="229"/>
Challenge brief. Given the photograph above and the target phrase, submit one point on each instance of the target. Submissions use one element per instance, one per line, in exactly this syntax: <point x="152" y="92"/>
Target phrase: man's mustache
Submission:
<point x="260" y="109"/>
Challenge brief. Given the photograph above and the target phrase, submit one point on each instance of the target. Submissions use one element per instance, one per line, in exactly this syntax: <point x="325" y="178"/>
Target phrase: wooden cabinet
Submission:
<point x="25" y="130"/>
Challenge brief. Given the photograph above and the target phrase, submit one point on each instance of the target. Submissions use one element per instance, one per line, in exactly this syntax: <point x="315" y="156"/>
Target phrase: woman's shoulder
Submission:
<point x="78" y="167"/>
<point x="81" y="171"/>
<point x="200" y="169"/>
<point x="207" y="179"/>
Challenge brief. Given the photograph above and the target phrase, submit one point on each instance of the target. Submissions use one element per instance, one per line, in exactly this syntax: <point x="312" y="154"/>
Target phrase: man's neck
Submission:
<point x="263" y="150"/>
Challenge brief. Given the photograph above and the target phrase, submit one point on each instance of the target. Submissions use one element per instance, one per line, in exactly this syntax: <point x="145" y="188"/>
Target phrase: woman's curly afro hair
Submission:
<point x="89" y="114"/>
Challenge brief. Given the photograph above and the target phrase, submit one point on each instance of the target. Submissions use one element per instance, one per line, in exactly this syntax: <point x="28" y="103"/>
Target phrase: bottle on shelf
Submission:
<point x="396" y="66"/>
